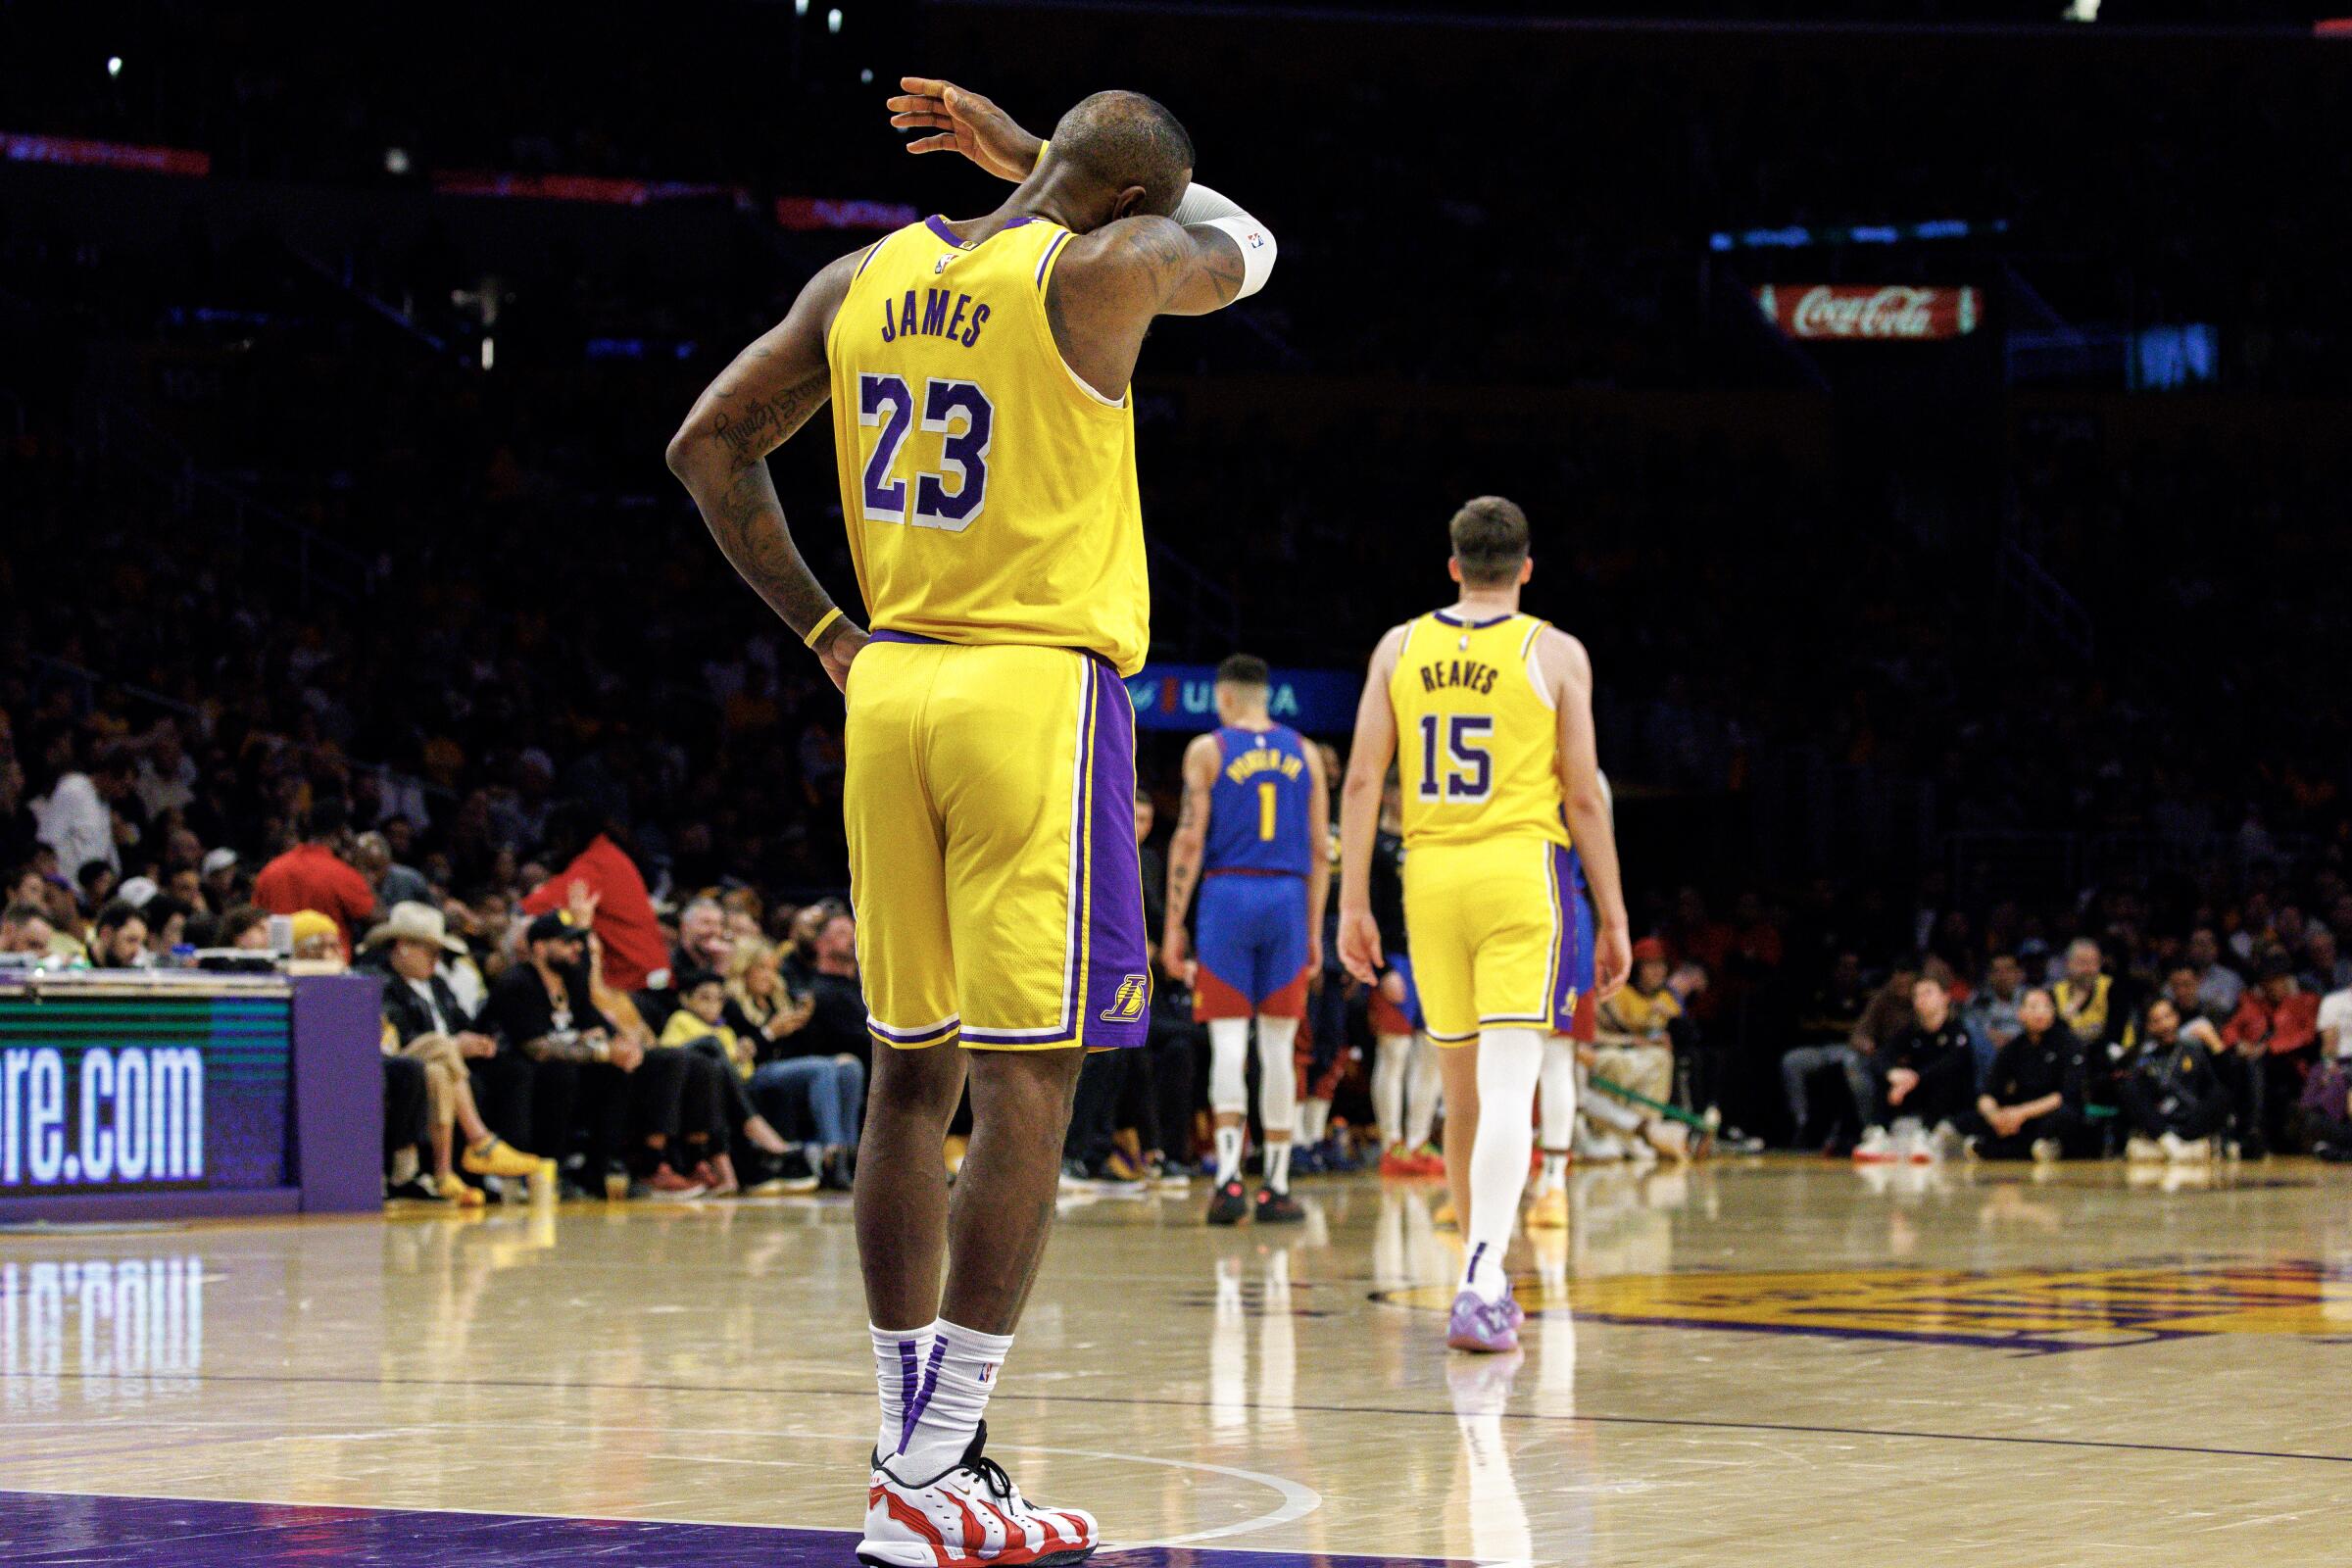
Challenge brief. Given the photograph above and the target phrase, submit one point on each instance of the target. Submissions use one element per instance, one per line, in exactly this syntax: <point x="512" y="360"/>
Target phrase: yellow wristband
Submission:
<point x="824" y="624"/>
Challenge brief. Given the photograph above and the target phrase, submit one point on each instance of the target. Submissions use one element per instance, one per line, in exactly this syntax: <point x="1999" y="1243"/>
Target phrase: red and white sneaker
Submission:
<point x="968" y="1516"/>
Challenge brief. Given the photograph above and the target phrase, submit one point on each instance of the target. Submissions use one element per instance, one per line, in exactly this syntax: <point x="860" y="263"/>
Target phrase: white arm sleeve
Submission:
<point x="1202" y="207"/>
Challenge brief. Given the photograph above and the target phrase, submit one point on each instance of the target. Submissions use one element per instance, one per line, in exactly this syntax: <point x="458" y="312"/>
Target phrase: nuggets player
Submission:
<point x="1253" y="834"/>
<point x="1494" y="708"/>
<point x="978" y="371"/>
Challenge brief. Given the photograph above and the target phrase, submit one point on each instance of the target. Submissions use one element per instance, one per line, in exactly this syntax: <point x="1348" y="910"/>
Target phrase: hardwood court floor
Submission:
<point x="1775" y="1362"/>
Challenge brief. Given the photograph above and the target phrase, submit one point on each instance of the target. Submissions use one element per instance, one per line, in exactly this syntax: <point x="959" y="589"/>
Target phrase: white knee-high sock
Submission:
<point x="950" y="1395"/>
<point x="1388" y="1061"/>
<point x="1556" y="1096"/>
<point x="1510" y="1061"/>
<point x="1277" y="1096"/>
<point x="1424" y="1081"/>
<point x="1228" y="1089"/>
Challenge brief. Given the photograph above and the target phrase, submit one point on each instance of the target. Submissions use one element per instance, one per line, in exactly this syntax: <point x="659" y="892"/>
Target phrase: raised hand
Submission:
<point x="965" y="123"/>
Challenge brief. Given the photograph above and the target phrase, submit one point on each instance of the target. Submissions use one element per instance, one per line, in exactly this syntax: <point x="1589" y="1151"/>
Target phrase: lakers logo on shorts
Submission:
<point x="1133" y="996"/>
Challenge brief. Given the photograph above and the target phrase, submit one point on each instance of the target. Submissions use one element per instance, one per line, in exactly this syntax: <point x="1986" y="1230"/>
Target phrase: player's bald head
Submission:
<point x="1124" y="141"/>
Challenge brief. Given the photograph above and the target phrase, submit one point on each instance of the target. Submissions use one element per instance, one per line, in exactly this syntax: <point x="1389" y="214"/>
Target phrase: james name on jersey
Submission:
<point x="960" y="321"/>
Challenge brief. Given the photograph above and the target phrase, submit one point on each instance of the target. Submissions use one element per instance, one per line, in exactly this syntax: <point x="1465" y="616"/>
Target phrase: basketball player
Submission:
<point x="1495" y="709"/>
<point x="985" y="435"/>
<point x="1253" y="834"/>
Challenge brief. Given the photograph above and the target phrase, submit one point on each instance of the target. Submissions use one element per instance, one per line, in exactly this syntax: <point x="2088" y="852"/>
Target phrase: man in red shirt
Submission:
<point x="2275" y="1032"/>
<point x="313" y="875"/>
<point x="634" y="952"/>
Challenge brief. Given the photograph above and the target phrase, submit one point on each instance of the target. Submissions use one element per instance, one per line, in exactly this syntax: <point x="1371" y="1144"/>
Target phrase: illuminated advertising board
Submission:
<point x="1894" y="313"/>
<point x="106" y="1090"/>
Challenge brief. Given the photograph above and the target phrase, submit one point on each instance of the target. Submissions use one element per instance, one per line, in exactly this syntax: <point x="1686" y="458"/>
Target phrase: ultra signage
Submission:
<point x="1320" y="702"/>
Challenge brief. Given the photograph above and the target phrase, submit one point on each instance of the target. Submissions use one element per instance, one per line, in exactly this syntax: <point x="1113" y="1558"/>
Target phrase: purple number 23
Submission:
<point x="960" y="414"/>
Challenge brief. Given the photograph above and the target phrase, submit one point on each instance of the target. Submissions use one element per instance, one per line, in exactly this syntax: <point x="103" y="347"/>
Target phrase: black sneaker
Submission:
<point x="1230" y="1203"/>
<point x="414" y="1190"/>
<point x="1278" y="1209"/>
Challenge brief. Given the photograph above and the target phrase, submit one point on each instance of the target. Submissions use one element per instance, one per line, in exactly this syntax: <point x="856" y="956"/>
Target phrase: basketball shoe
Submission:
<point x="969" y="1515"/>
<point x="1491" y="1328"/>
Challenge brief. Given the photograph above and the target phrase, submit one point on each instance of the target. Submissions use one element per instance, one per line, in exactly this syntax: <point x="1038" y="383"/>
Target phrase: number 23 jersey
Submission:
<point x="989" y="494"/>
<point x="1477" y="735"/>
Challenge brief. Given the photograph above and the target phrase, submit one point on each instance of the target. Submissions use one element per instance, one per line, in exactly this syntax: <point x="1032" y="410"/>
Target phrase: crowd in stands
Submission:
<point x="675" y="1042"/>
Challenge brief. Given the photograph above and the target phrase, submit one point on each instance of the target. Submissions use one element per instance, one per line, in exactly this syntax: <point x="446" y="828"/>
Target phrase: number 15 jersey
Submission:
<point x="989" y="494"/>
<point x="1477" y="736"/>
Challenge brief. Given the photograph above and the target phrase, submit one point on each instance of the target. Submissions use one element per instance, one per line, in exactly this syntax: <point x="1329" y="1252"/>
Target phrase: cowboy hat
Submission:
<point x="411" y="922"/>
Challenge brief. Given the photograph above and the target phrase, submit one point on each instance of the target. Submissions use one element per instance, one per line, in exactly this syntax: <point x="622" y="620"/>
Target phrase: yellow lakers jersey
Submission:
<point x="990" y="493"/>
<point x="1477" y="736"/>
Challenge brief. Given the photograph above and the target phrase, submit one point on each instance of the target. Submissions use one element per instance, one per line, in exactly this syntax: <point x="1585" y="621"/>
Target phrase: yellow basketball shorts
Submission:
<point x="990" y="804"/>
<point x="1498" y="936"/>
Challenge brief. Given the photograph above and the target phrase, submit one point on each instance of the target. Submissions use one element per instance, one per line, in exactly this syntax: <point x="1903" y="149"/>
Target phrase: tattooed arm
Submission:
<point x="1109" y="284"/>
<point x="1186" y="847"/>
<point x="721" y="454"/>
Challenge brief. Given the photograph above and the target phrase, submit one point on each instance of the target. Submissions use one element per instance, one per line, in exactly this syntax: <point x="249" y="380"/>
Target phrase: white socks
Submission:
<point x="1509" y="1064"/>
<point x="1556" y="1101"/>
<point x="1229" y="1152"/>
<point x="934" y="1384"/>
<point x="1277" y="1096"/>
<point x="1388" y="1061"/>
<point x="1425" y="1081"/>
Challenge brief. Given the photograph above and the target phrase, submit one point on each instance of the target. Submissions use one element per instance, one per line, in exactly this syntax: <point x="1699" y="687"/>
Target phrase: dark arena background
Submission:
<point x="1934" y="418"/>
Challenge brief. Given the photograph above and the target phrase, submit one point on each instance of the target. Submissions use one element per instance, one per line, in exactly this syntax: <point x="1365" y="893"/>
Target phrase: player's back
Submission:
<point x="989" y="494"/>
<point x="1258" y="809"/>
<point x="1477" y="734"/>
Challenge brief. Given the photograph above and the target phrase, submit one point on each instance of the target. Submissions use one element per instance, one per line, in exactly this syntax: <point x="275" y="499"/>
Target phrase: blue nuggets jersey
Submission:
<point x="1258" y="809"/>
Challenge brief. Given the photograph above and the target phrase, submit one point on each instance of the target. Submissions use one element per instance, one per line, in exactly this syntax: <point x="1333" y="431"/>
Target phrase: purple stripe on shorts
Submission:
<point x="1575" y="975"/>
<point x="883" y="634"/>
<point x="1117" y="1010"/>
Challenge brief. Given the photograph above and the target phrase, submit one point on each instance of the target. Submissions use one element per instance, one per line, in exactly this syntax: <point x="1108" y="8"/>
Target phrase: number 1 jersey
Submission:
<point x="1477" y="736"/>
<point x="989" y="494"/>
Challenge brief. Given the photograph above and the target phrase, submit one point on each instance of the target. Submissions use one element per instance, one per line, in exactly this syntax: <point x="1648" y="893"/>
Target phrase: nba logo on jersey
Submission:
<point x="1127" y="1006"/>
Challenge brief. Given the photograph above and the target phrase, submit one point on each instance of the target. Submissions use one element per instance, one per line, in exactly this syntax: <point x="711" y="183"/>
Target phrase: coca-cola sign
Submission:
<point x="1898" y="312"/>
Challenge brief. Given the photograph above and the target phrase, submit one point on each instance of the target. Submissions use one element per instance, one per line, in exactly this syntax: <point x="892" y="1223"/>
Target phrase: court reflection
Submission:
<point x="119" y="1327"/>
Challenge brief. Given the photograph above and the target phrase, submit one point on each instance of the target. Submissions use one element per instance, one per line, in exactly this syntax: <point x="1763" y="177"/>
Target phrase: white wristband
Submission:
<point x="1256" y="243"/>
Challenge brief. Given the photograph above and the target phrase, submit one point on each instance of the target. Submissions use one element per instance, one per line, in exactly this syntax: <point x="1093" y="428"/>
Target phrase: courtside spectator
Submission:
<point x="2277" y="1030"/>
<point x="26" y="929"/>
<point x="1876" y="1021"/>
<point x="118" y="936"/>
<point x="2031" y="1106"/>
<point x="703" y="1024"/>
<point x="313" y="874"/>
<point x="422" y="1021"/>
<point x="1930" y="1077"/>
<point x="548" y="1028"/>
<point x="704" y="941"/>
<point x="1991" y="1013"/>
<point x="585" y="852"/>
<point x="814" y="1075"/>
<point x="2173" y="1099"/>
<point x="2334" y="1024"/>
<point x="2219" y="985"/>
<point x="1638" y="1030"/>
